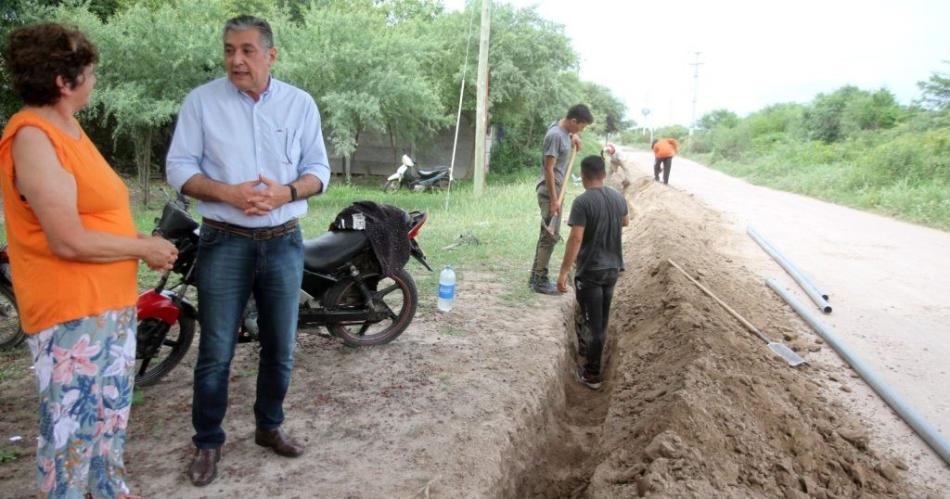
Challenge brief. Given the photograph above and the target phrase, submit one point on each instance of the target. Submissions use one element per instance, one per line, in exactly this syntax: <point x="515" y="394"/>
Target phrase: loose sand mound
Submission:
<point x="699" y="406"/>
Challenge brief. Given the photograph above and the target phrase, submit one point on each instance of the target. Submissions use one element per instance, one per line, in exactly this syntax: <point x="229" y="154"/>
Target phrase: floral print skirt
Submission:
<point x="84" y="370"/>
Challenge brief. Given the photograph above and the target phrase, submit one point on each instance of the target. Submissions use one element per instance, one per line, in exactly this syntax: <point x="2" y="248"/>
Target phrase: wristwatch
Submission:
<point x="293" y="192"/>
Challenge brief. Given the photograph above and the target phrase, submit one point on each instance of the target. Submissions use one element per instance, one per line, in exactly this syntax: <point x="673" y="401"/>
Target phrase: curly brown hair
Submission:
<point x="37" y="54"/>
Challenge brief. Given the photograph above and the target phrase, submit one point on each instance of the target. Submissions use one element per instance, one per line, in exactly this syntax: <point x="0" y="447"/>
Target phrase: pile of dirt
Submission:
<point x="699" y="406"/>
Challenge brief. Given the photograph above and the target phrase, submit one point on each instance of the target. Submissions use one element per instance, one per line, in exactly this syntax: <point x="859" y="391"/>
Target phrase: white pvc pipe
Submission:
<point x="809" y="287"/>
<point x="925" y="430"/>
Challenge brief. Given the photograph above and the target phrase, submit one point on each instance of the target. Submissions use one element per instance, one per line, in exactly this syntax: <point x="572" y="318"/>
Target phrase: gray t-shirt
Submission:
<point x="557" y="143"/>
<point x="600" y="210"/>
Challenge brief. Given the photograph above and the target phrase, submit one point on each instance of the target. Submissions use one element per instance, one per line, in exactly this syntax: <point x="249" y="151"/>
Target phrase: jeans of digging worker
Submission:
<point x="667" y="164"/>
<point x="230" y="268"/>
<point x="546" y="241"/>
<point x="594" y="291"/>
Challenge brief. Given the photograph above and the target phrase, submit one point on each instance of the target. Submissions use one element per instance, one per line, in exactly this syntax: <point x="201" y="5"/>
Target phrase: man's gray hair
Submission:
<point x="243" y="23"/>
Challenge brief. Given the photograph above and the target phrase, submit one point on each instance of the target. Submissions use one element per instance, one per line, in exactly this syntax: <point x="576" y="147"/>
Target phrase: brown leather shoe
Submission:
<point x="204" y="466"/>
<point x="282" y="444"/>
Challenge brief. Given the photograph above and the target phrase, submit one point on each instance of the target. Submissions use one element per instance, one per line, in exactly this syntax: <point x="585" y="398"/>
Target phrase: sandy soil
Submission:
<point x="480" y="402"/>
<point x="888" y="282"/>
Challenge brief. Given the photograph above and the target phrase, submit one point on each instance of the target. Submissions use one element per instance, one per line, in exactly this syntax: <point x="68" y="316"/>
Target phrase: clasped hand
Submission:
<point x="253" y="200"/>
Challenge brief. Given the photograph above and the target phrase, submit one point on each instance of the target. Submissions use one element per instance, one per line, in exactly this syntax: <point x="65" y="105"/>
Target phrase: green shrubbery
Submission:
<point x="389" y="67"/>
<point x="852" y="146"/>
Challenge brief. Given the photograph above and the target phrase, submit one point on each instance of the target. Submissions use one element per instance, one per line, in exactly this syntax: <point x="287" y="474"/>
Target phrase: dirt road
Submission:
<point x="888" y="281"/>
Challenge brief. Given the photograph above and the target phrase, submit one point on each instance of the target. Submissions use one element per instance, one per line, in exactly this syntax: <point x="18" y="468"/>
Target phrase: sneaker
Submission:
<point x="589" y="381"/>
<point x="545" y="288"/>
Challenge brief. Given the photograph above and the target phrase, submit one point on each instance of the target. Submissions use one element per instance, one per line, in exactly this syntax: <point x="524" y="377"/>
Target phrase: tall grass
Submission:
<point x="902" y="173"/>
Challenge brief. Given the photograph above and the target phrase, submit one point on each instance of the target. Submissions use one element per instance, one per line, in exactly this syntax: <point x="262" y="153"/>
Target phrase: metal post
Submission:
<point x="692" y="123"/>
<point x="481" y="103"/>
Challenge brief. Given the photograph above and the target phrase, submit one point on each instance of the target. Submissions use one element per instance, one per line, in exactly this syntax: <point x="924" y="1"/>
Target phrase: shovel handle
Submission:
<point x="551" y="226"/>
<point x="567" y="177"/>
<point x="722" y="303"/>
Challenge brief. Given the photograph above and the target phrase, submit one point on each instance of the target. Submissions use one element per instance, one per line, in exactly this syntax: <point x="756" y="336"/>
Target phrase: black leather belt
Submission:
<point x="257" y="234"/>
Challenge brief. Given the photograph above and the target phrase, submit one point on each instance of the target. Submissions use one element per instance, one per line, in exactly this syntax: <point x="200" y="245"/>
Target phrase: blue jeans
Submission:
<point x="230" y="268"/>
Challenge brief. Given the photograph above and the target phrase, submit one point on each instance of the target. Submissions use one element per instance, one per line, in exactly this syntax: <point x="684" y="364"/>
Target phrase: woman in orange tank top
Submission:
<point x="67" y="217"/>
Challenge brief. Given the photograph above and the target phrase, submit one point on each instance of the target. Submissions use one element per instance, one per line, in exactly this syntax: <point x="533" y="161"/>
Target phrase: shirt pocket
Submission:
<point x="290" y="150"/>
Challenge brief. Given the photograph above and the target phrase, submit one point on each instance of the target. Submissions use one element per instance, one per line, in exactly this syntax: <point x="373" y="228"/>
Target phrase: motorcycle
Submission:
<point x="343" y="290"/>
<point x="11" y="333"/>
<point x="415" y="179"/>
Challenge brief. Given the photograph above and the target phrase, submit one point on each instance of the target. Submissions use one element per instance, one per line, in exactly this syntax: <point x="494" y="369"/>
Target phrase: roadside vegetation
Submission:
<point x="854" y="147"/>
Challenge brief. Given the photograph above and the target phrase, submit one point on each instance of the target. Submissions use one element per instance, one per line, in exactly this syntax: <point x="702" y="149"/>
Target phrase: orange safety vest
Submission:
<point x="50" y="290"/>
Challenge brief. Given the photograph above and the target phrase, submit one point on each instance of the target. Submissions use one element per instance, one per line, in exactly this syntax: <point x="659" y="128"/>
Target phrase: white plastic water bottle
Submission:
<point x="446" y="289"/>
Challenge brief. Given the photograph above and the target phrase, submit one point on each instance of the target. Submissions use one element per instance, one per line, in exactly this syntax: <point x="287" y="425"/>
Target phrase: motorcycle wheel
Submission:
<point x="173" y="348"/>
<point x="396" y="294"/>
<point x="11" y="334"/>
<point x="391" y="186"/>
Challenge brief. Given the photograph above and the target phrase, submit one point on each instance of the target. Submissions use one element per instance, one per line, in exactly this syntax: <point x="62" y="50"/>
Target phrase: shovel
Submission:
<point x="552" y="226"/>
<point x="792" y="358"/>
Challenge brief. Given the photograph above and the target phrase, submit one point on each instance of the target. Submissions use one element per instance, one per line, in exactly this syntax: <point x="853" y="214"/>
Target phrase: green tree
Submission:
<point x="719" y="118"/>
<point x="607" y="109"/>
<point x="936" y="91"/>
<point x="871" y="111"/>
<point x="149" y="61"/>
<point x="369" y="75"/>
<point x="822" y="119"/>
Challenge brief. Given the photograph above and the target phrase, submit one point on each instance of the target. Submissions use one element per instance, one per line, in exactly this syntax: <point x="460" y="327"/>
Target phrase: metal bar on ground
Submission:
<point x="816" y="295"/>
<point x="924" y="429"/>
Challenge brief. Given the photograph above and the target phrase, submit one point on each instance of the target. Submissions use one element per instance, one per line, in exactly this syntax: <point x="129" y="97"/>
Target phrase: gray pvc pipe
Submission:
<point x="925" y="430"/>
<point x="809" y="287"/>
<point x="759" y="238"/>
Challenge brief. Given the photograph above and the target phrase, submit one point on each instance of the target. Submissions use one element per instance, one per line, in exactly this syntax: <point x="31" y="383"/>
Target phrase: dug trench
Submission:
<point x="693" y="404"/>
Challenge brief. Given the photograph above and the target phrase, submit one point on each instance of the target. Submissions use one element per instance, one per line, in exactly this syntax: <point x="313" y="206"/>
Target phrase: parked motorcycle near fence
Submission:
<point x="343" y="289"/>
<point x="415" y="179"/>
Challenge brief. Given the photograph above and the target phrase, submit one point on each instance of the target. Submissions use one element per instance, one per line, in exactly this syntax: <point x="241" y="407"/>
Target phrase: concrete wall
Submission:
<point x="374" y="156"/>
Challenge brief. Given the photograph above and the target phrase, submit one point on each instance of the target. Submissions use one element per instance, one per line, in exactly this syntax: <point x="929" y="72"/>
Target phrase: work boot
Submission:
<point x="280" y="442"/>
<point x="592" y="382"/>
<point x="204" y="466"/>
<point x="545" y="288"/>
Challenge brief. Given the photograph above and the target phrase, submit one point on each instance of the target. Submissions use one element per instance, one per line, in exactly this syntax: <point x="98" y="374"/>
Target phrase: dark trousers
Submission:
<point x="546" y="240"/>
<point x="667" y="164"/>
<point x="594" y="291"/>
<point x="230" y="268"/>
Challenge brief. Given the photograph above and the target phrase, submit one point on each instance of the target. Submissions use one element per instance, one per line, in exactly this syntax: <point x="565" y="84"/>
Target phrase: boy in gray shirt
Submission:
<point x="597" y="220"/>
<point x="559" y="140"/>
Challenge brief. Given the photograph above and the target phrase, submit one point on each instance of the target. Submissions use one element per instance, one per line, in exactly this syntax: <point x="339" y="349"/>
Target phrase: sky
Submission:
<point x="752" y="53"/>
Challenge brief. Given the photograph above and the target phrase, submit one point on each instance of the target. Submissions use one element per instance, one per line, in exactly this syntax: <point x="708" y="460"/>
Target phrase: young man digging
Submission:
<point x="562" y="136"/>
<point x="597" y="219"/>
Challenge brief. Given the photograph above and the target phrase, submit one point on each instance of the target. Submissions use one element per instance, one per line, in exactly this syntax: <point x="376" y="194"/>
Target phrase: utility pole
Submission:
<point x="695" y="64"/>
<point x="481" y="101"/>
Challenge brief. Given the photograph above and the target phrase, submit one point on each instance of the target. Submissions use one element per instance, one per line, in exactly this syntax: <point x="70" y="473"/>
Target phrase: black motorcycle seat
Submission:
<point x="327" y="252"/>
<point x="433" y="171"/>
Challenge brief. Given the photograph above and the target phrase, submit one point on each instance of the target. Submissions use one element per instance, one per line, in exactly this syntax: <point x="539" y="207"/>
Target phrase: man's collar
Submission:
<point x="265" y="94"/>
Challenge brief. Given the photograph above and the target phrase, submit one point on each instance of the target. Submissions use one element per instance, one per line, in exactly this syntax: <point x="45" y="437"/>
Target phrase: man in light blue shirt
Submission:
<point x="250" y="148"/>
